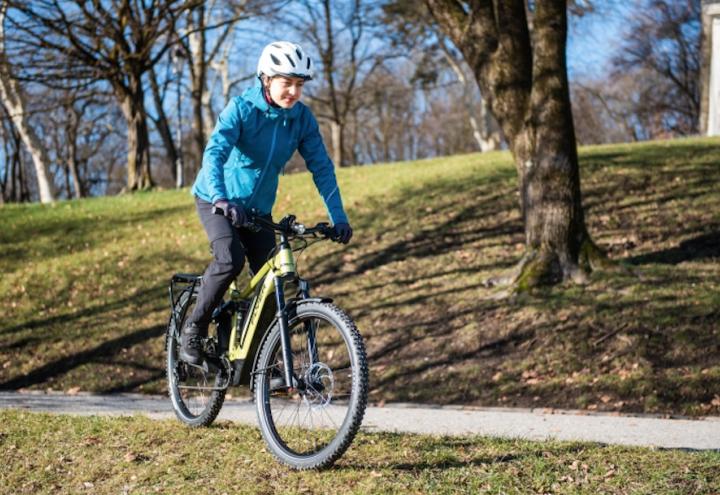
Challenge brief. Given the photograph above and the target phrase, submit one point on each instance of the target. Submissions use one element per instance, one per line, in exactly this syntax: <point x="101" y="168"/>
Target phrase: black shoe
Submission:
<point x="191" y="344"/>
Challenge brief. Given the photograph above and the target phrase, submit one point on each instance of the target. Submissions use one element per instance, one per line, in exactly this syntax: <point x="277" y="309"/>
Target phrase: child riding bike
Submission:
<point x="255" y="136"/>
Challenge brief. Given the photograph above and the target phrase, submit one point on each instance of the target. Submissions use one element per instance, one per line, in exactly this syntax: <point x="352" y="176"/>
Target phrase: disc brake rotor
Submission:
<point x="320" y="384"/>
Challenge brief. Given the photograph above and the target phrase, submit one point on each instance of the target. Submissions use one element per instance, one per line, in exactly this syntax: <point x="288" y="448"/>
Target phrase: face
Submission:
<point x="285" y="91"/>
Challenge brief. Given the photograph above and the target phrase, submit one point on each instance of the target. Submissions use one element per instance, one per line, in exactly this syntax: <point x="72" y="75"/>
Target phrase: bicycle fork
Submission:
<point x="282" y="317"/>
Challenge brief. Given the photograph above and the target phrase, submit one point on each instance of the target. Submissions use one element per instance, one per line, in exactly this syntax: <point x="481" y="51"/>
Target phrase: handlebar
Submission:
<point x="287" y="225"/>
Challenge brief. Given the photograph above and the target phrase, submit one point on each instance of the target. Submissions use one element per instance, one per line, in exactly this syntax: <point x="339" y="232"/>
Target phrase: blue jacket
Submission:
<point x="249" y="147"/>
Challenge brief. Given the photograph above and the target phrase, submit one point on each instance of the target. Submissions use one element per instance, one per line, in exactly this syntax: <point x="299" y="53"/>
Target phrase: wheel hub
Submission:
<point x="319" y="385"/>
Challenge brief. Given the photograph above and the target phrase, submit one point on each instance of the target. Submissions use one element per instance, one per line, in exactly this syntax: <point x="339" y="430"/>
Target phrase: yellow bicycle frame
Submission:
<point x="279" y="267"/>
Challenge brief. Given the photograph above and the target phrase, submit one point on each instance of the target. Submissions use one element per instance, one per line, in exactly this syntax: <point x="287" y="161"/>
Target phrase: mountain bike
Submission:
<point x="302" y="357"/>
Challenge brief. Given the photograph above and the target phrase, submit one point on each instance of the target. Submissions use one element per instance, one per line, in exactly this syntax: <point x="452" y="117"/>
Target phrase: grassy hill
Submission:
<point x="84" y="284"/>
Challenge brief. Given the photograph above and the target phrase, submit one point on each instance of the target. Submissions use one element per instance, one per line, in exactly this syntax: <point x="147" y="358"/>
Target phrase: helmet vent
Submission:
<point x="308" y="63"/>
<point x="289" y="59"/>
<point x="274" y="59"/>
<point x="299" y="53"/>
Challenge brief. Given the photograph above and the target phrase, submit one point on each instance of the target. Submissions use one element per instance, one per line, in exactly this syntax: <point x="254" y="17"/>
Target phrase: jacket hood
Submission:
<point x="255" y="96"/>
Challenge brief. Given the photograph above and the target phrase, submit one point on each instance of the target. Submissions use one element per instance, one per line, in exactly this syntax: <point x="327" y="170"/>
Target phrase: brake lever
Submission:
<point x="249" y="223"/>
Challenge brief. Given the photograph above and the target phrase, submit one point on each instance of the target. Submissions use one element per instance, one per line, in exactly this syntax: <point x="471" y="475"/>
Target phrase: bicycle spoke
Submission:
<point x="324" y="407"/>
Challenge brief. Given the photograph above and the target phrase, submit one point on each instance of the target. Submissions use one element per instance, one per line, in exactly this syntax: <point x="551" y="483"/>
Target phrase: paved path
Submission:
<point x="527" y="424"/>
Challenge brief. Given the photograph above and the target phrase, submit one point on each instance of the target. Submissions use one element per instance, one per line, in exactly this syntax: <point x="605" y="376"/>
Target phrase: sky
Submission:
<point x="593" y="39"/>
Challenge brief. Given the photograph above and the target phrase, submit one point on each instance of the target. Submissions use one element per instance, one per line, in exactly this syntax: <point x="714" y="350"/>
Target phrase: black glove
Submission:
<point x="232" y="212"/>
<point x="343" y="233"/>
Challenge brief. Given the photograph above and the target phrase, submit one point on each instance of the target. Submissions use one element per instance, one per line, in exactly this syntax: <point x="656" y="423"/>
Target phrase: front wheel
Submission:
<point x="311" y="425"/>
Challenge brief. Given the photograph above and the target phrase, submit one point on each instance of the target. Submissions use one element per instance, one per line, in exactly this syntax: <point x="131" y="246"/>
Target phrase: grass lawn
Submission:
<point x="65" y="454"/>
<point x="84" y="287"/>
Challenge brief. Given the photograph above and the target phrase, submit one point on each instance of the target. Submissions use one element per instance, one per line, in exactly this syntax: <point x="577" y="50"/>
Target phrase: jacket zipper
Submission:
<point x="267" y="164"/>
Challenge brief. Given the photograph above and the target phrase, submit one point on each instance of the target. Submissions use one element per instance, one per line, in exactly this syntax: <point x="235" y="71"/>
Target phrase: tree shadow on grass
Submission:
<point x="459" y="226"/>
<point x="650" y="155"/>
<point x="702" y="247"/>
<point x="63" y="365"/>
<point x="649" y="177"/>
<point x="427" y="342"/>
<point x="156" y="292"/>
<point x="39" y="323"/>
<point x="131" y="369"/>
<point x="75" y="232"/>
<point x="451" y="445"/>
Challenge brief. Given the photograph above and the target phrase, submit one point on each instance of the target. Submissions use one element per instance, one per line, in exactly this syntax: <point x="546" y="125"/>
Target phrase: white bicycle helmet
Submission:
<point x="283" y="58"/>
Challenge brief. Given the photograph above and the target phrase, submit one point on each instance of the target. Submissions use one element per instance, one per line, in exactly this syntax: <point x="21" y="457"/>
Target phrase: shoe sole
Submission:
<point x="195" y="361"/>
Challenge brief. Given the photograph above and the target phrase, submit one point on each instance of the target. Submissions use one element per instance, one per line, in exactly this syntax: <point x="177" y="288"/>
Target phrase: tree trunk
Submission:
<point x="14" y="99"/>
<point x="336" y="133"/>
<point x="546" y="157"/>
<point x="73" y="165"/>
<point x="138" y="165"/>
<point x="527" y="89"/>
<point x="162" y="125"/>
<point x="23" y="194"/>
<point x="11" y="148"/>
<point x="481" y="130"/>
<point x="490" y="138"/>
<point x="197" y="78"/>
<point x="74" y="123"/>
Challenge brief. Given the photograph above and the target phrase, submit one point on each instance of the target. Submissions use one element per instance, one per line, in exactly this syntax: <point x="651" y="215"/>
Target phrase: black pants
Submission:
<point x="230" y="246"/>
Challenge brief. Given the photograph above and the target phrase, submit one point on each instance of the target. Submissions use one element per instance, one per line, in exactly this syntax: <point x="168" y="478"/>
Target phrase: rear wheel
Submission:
<point x="197" y="392"/>
<point x="313" y="424"/>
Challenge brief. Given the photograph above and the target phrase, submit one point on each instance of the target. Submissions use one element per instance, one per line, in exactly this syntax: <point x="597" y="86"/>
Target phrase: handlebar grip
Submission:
<point x="326" y="230"/>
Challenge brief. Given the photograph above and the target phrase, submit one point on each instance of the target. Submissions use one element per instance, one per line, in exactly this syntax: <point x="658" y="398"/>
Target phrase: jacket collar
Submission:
<point x="255" y="96"/>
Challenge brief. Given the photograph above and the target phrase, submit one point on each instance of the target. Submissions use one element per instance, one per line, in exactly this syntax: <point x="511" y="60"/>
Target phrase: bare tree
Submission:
<point x="80" y="43"/>
<point x="341" y="32"/>
<point x="66" y="121"/>
<point x="383" y="124"/>
<point x="413" y="27"/>
<point x="76" y="133"/>
<point x="201" y="52"/>
<point x="222" y="75"/>
<point x="662" y="50"/>
<point x="14" y="99"/>
<point x="599" y="117"/>
<point x="525" y="81"/>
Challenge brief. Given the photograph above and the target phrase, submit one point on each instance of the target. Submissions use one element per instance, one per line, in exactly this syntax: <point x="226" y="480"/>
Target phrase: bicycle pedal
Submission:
<point x="204" y="367"/>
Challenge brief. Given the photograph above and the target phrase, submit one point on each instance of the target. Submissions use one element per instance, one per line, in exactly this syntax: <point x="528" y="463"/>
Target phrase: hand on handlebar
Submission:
<point x="342" y="233"/>
<point x="232" y="212"/>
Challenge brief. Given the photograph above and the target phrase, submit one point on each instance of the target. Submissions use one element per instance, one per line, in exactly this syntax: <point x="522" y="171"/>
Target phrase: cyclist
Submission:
<point x="255" y="136"/>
